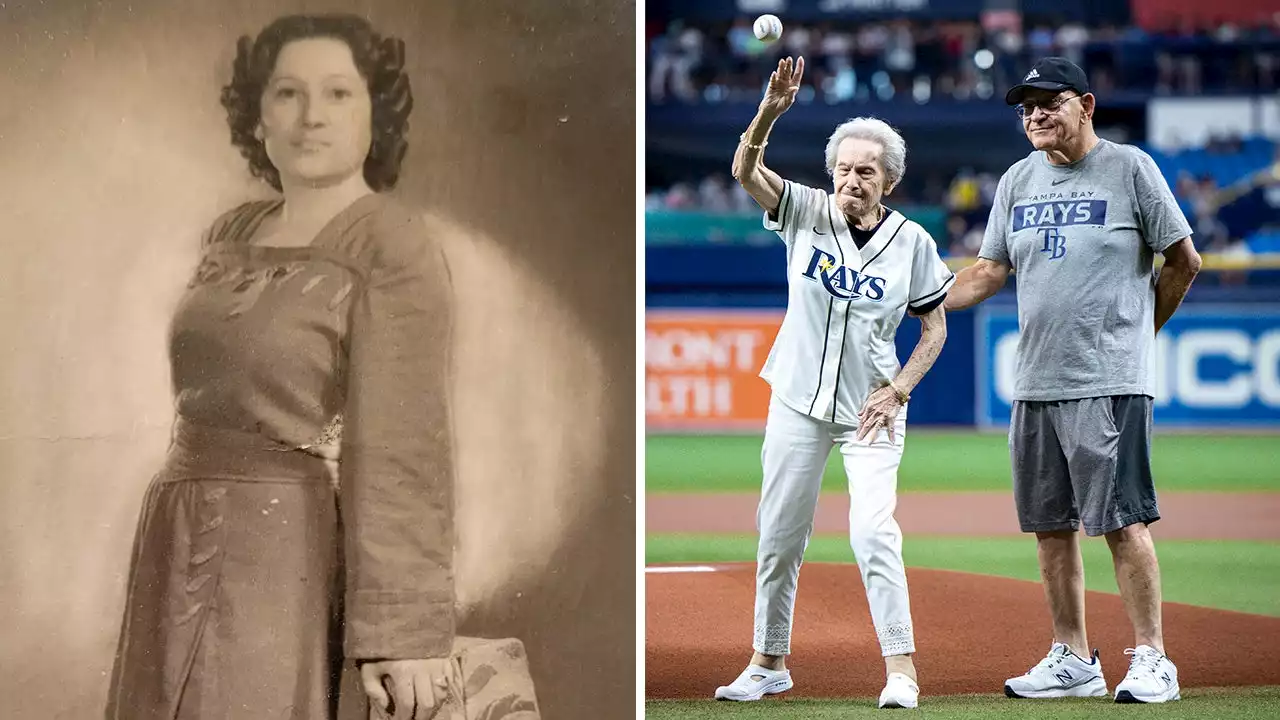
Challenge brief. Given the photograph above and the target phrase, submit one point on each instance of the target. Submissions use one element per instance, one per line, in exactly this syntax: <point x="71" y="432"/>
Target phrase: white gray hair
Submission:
<point x="894" y="158"/>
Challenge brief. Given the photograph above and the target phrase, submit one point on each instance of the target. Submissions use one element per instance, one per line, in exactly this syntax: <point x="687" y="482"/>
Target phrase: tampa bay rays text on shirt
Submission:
<point x="1048" y="214"/>
<point x="1082" y="239"/>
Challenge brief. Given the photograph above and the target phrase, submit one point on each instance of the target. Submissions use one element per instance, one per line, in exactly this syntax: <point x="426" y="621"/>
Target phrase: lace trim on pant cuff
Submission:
<point x="896" y="639"/>
<point x="772" y="640"/>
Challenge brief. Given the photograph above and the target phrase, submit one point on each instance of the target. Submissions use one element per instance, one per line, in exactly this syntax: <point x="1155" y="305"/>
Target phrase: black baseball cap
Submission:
<point x="1051" y="73"/>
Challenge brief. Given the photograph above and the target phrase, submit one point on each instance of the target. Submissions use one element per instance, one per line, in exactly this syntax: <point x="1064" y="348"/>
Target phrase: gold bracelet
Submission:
<point x="743" y="138"/>
<point x="903" y="397"/>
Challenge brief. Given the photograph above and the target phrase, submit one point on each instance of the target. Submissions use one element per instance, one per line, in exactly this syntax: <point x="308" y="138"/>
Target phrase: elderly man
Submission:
<point x="1080" y="220"/>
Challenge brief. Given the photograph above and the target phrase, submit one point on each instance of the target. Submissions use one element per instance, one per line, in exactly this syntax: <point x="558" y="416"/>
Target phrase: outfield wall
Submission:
<point x="1217" y="366"/>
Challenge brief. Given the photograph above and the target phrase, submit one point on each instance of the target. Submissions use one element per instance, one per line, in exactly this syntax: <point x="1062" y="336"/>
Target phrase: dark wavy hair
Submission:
<point x="380" y="61"/>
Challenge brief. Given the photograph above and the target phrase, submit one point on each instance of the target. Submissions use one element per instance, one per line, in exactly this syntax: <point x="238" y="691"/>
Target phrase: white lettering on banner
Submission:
<point x="689" y="395"/>
<point x="835" y="6"/>
<point x="1178" y="358"/>
<point x="1006" y="366"/>
<point x="1163" y="385"/>
<point x="1196" y="392"/>
<point x="685" y="350"/>
<point x="1266" y="364"/>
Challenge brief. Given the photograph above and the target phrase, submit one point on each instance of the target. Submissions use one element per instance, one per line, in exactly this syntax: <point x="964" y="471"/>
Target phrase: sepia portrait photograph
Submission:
<point x="319" y="397"/>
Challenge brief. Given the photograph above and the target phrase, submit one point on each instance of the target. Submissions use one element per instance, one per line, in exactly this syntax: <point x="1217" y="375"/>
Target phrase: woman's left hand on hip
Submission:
<point x="880" y="410"/>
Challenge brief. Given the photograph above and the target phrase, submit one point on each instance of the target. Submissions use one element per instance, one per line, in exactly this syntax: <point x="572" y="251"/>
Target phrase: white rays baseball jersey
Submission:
<point x="844" y="304"/>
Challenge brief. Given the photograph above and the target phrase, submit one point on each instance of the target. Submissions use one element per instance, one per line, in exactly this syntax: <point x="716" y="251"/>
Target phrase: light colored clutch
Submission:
<point x="495" y="681"/>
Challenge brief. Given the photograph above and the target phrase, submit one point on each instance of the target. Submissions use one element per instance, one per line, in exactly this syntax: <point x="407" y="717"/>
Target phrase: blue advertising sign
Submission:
<point x="1216" y="366"/>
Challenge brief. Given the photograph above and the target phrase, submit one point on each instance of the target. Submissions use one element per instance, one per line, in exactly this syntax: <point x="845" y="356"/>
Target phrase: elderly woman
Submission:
<point x="853" y="267"/>
<point x="294" y="555"/>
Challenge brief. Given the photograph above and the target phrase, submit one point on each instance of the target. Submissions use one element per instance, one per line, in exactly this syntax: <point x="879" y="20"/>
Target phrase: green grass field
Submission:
<point x="1224" y="574"/>
<point x="941" y="461"/>
<point x="1196" y="704"/>
<point x="1228" y="575"/>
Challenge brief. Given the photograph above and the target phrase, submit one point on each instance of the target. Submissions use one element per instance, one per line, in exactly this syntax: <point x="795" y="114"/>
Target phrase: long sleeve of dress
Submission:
<point x="397" y="469"/>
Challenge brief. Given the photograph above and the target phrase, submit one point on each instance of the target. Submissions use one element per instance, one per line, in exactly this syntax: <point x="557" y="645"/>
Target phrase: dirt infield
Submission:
<point x="1199" y="516"/>
<point x="972" y="632"/>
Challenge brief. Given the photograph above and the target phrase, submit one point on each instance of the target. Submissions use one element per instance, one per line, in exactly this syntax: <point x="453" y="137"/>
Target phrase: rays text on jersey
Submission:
<point x="843" y="281"/>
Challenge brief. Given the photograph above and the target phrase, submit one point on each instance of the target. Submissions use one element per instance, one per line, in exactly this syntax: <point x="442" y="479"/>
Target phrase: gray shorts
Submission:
<point x="1083" y="462"/>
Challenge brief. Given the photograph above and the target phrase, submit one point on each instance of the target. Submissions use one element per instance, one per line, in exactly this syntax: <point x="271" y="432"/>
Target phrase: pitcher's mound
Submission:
<point x="972" y="632"/>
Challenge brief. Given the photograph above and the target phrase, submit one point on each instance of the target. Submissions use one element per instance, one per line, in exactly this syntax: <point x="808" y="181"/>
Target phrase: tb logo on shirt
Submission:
<point x="1048" y="218"/>
<point x="843" y="281"/>
<point x="1055" y="243"/>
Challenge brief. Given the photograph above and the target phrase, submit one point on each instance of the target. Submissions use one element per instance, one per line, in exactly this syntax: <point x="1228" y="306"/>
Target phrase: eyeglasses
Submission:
<point x="1025" y="110"/>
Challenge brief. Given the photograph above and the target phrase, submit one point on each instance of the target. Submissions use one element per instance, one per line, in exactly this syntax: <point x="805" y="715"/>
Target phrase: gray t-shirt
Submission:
<point x="1082" y="239"/>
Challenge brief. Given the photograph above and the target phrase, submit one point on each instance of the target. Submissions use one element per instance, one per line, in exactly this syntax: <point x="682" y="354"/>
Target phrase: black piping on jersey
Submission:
<point x="853" y="232"/>
<point x="823" y="361"/>
<point x="932" y="302"/>
<point x="886" y="245"/>
<point x="782" y="210"/>
<point x="827" y="327"/>
<point x="929" y="306"/>
<point x="835" y="397"/>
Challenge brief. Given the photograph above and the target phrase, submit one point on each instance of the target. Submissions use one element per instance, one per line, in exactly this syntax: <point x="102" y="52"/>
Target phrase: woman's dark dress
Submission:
<point x="261" y="569"/>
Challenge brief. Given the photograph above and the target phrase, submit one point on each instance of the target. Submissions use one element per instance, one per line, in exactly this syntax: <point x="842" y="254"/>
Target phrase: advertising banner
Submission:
<point x="1157" y="15"/>
<point x="1176" y="123"/>
<point x="702" y="369"/>
<point x="1216" y="366"/>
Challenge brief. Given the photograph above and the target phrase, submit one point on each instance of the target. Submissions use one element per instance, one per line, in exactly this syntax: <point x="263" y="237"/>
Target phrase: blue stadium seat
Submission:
<point x="1264" y="241"/>
<point x="1255" y="154"/>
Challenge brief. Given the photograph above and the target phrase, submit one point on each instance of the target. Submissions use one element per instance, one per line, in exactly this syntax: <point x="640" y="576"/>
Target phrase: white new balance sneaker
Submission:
<point x="754" y="683"/>
<point x="900" y="691"/>
<point x="1151" y="678"/>
<point x="1060" y="674"/>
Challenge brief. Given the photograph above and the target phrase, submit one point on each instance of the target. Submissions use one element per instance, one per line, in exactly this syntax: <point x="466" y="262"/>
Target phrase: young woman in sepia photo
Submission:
<point x="294" y="556"/>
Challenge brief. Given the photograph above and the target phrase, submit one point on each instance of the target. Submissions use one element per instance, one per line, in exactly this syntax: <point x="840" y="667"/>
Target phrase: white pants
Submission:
<point x="796" y="449"/>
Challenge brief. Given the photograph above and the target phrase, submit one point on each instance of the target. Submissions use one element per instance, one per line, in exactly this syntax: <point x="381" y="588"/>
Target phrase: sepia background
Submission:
<point x="116" y="155"/>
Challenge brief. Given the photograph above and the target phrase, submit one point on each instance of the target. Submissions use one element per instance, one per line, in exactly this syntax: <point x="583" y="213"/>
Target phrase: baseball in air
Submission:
<point x="768" y="28"/>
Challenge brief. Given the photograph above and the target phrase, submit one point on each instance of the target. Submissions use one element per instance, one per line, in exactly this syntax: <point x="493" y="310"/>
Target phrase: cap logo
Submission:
<point x="1031" y="75"/>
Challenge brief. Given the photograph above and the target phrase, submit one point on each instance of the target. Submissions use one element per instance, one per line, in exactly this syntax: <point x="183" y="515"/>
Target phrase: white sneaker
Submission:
<point x="754" y="683"/>
<point x="1151" y="678"/>
<point x="1060" y="674"/>
<point x="900" y="692"/>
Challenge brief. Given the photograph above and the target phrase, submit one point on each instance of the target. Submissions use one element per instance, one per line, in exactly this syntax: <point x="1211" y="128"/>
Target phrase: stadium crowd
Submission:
<point x="968" y="195"/>
<point x="718" y="63"/>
